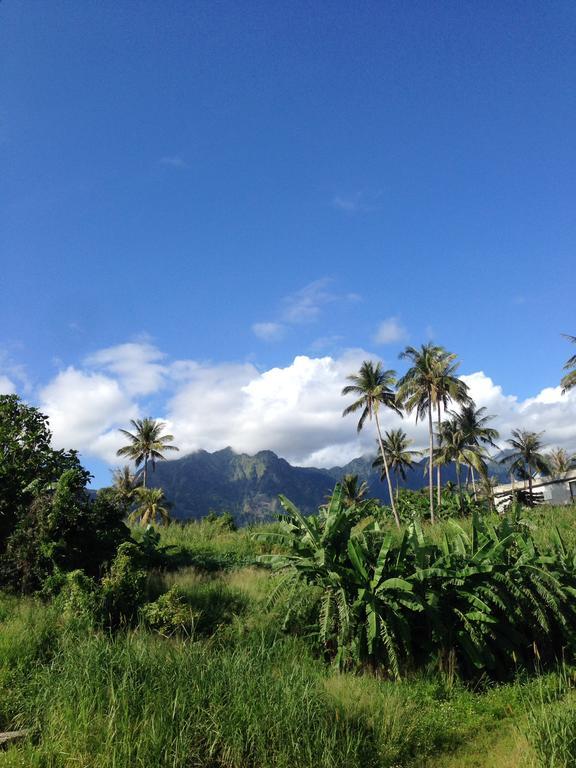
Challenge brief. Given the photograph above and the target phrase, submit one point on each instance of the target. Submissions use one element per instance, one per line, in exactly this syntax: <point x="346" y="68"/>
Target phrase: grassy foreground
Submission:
<point x="239" y="693"/>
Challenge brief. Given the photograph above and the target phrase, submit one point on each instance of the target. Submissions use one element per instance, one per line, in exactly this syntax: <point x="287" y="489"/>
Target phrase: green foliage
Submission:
<point x="29" y="465"/>
<point x="551" y="725"/>
<point x="170" y="614"/>
<point x="124" y="587"/>
<point x="62" y="530"/>
<point x="484" y="603"/>
<point x="225" y="520"/>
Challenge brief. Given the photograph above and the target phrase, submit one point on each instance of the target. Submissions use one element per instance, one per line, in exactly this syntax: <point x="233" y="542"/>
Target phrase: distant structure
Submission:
<point x="545" y="490"/>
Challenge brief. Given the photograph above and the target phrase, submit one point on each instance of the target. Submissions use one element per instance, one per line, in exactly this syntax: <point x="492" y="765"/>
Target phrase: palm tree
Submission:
<point x="353" y="491"/>
<point x="560" y="463"/>
<point x="151" y="504"/>
<point x="569" y="380"/>
<point x="453" y="447"/>
<point x="472" y="422"/>
<point x="400" y="457"/>
<point x="428" y="384"/>
<point x="526" y="457"/>
<point x="124" y="486"/>
<point x="374" y="387"/>
<point x="146" y="444"/>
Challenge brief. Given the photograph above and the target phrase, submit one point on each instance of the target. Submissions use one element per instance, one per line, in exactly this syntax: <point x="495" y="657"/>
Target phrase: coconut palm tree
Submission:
<point x="353" y="491"/>
<point x="472" y="422"/>
<point x="526" y="457"/>
<point x="124" y="486"/>
<point x="146" y="444"/>
<point x="560" y="463"/>
<point x="151" y="504"/>
<point x="453" y="447"/>
<point x="449" y="389"/>
<point x="428" y="384"/>
<point x="400" y="458"/>
<point x="374" y="388"/>
<point x="569" y="380"/>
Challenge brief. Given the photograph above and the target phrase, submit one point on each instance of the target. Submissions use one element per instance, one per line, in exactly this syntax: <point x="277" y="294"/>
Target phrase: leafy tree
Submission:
<point x="428" y="384"/>
<point x="400" y="457"/>
<point x="569" y="380"/>
<point x="526" y="457"/>
<point x="28" y="463"/>
<point x="146" y="444"/>
<point x="63" y="530"/>
<point x="150" y="505"/>
<point x="374" y="388"/>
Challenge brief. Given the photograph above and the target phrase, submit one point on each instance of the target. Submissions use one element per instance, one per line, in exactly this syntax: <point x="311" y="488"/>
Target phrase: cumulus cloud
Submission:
<point x="136" y="364"/>
<point x="268" y="331"/>
<point x="84" y="410"/>
<point x="549" y="411"/>
<point x="294" y="409"/>
<point x="390" y="331"/>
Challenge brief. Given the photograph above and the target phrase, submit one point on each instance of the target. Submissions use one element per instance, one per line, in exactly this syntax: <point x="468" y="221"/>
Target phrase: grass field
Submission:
<point x="238" y="692"/>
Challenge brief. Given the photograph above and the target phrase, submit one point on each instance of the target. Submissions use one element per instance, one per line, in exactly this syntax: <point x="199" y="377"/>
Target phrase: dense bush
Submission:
<point x="63" y="529"/>
<point x="29" y="464"/>
<point x="488" y="602"/>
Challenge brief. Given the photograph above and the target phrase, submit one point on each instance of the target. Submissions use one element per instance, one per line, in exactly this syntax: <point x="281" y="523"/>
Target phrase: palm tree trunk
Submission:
<point x="530" y="484"/>
<point x="438" y="471"/>
<point x="145" y="473"/>
<point x="385" y="462"/>
<point x="458" y="478"/>
<point x="473" y="481"/>
<point x="430" y="462"/>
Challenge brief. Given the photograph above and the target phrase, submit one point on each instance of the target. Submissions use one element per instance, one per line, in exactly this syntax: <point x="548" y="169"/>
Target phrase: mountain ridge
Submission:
<point x="249" y="486"/>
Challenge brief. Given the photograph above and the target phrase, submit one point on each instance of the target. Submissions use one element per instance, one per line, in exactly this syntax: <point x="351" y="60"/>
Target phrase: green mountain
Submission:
<point x="248" y="486"/>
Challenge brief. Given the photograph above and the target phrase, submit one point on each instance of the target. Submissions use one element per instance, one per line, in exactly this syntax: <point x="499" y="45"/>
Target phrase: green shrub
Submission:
<point x="170" y="614"/>
<point x="485" y="603"/>
<point x="124" y="587"/>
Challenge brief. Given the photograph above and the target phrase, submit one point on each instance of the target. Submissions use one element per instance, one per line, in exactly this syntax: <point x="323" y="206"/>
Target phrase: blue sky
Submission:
<point x="230" y="186"/>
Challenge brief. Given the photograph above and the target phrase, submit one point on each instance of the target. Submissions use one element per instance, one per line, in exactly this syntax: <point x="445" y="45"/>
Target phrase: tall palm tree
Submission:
<point x="374" y="388"/>
<point x="400" y="458"/>
<point x="124" y="486"/>
<point x="146" y="444"/>
<point x="449" y="389"/>
<point x="569" y="380"/>
<point x="560" y="463"/>
<point x="151" y="504"/>
<point x="526" y="457"/>
<point x="429" y="383"/>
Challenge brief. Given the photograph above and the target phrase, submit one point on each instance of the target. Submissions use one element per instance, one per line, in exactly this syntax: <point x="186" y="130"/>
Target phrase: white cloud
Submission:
<point x="268" y="331"/>
<point x="294" y="410"/>
<point x="84" y="410"/>
<point x="390" y="331"/>
<point x="305" y="305"/>
<point x="359" y="202"/>
<point x="136" y="364"/>
<point x="549" y="411"/>
<point x="173" y="161"/>
<point x="7" y="386"/>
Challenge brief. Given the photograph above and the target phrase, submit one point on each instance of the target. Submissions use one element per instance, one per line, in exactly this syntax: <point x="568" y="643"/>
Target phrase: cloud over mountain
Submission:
<point x="294" y="410"/>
